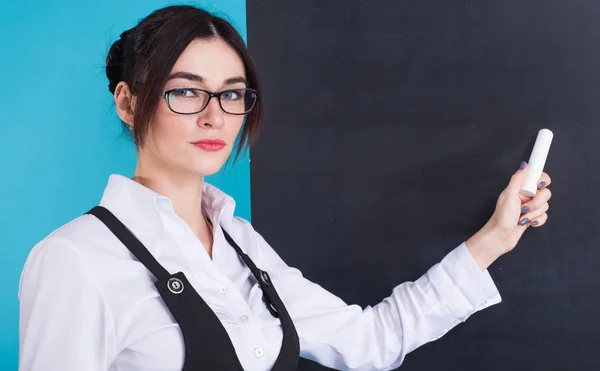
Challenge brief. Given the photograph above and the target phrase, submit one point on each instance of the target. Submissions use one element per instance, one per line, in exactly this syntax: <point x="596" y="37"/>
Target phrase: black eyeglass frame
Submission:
<point x="211" y="94"/>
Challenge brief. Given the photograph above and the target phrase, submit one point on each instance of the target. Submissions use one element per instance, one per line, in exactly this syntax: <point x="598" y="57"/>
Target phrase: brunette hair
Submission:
<point x="145" y="54"/>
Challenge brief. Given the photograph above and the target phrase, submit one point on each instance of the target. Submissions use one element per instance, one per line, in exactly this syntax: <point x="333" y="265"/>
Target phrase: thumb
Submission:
<point x="517" y="180"/>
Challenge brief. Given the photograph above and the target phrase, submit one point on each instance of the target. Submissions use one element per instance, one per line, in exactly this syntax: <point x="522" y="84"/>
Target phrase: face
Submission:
<point x="180" y="142"/>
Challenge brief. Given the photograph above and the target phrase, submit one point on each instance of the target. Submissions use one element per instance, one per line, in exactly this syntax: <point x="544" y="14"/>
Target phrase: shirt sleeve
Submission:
<point x="347" y="337"/>
<point x="65" y="323"/>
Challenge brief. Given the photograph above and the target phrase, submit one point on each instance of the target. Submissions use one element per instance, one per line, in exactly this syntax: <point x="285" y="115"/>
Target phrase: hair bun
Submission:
<point x="115" y="63"/>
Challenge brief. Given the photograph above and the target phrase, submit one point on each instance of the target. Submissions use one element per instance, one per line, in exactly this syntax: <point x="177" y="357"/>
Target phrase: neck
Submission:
<point x="185" y="192"/>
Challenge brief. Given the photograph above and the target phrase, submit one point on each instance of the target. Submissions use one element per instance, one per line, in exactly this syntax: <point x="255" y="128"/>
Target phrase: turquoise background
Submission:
<point x="60" y="137"/>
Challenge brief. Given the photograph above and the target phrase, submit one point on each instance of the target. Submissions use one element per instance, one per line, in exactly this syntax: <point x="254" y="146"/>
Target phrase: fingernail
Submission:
<point x="542" y="185"/>
<point x="523" y="164"/>
<point x="535" y="223"/>
<point x="524" y="221"/>
<point x="524" y="209"/>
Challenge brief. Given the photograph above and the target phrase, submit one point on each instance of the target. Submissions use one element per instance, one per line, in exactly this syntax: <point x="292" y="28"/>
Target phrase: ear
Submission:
<point x="125" y="103"/>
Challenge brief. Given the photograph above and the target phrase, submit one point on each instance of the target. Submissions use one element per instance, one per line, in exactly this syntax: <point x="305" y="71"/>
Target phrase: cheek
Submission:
<point x="170" y="133"/>
<point x="233" y="127"/>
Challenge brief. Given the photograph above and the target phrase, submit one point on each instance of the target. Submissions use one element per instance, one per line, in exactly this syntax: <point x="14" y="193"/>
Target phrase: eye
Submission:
<point x="235" y="94"/>
<point x="183" y="93"/>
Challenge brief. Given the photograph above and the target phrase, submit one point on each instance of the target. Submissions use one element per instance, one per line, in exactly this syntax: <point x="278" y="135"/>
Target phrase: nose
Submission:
<point x="212" y="117"/>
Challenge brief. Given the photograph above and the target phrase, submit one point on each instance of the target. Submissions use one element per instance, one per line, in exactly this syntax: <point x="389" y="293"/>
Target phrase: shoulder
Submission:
<point x="85" y="236"/>
<point x="76" y="249"/>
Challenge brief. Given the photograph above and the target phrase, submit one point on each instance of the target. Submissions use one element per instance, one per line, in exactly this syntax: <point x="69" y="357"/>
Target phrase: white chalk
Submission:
<point x="537" y="161"/>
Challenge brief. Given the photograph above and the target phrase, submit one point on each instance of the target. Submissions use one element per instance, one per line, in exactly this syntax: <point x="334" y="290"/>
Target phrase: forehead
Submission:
<point x="213" y="59"/>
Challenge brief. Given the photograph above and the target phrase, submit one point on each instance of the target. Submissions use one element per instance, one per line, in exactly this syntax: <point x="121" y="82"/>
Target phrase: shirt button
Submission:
<point x="223" y="290"/>
<point x="258" y="352"/>
<point x="243" y="318"/>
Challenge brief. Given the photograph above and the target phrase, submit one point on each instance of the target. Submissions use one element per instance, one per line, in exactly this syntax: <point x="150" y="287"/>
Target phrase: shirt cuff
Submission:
<point x="463" y="284"/>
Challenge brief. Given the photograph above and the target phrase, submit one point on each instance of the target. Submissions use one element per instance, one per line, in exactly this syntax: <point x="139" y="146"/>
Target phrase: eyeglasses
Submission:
<point x="187" y="101"/>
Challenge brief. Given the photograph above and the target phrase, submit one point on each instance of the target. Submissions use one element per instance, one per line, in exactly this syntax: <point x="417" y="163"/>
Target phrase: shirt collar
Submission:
<point x="139" y="207"/>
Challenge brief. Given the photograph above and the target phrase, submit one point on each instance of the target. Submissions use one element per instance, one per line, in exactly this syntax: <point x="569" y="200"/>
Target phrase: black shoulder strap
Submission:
<point x="241" y="254"/>
<point x="130" y="241"/>
<point x="261" y="276"/>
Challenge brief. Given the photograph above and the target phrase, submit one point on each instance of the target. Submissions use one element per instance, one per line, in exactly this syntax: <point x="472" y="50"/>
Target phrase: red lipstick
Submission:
<point x="210" y="145"/>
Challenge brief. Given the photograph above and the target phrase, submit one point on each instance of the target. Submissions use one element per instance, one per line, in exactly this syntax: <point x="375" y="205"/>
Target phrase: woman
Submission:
<point x="162" y="276"/>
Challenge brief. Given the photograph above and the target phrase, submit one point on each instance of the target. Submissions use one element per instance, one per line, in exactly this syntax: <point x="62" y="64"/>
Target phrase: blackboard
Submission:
<point x="390" y="129"/>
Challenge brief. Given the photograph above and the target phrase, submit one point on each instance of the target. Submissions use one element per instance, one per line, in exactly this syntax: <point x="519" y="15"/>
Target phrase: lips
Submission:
<point x="210" y="144"/>
<point x="210" y="141"/>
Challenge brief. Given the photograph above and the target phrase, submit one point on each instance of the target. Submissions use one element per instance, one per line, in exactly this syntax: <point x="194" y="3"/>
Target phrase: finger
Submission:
<point x="517" y="180"/>
<point x="544" y="181"/>
<point x="534" y="214"/>
<point x="541" y="197"/>
<point x="541" y="185"/>
<point x="524" y="198"/>
<point x="539" y="221"/>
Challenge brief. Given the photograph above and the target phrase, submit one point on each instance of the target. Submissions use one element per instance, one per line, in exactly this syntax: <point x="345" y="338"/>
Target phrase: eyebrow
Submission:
<point x="198" y="78"/>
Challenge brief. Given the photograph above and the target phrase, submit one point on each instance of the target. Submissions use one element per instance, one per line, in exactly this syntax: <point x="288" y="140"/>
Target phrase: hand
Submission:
<point x="513" y="215"/>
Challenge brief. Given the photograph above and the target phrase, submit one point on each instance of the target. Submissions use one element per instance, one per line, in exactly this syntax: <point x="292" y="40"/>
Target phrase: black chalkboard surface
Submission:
<point x="390" y="129"/>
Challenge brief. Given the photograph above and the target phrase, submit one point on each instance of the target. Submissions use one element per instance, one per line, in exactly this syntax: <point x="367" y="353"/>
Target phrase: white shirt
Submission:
<point x="88" y="304"/>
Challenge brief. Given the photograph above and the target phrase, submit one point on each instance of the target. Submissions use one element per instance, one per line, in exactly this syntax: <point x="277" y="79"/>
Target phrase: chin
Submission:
<point x="207" y="169"/>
